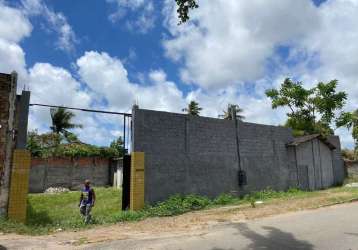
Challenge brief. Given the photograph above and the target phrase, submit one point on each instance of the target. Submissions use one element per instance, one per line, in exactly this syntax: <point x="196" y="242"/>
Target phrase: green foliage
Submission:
<point x="183" y="9"/>
<point x="193" y="108"/>
<point x="62" y="121"/>
<point x="55" y="145"/>
<point x="178" y="204"/>
<point x="310" y="110"/>
<point x="117" y="147"/>
<point x="350" y="154"/>
<point x="233" y="110"/>
<point x="51" y="212"/>
<point x="42" y="145"/>
<point x="225" y="199"/>
<point x="269" y="193"/>
<point x="350" y="121"/>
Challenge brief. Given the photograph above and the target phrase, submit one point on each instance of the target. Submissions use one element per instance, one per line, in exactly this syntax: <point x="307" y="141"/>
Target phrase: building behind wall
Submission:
<point x="314" y="162"/>
<point x="189" y="154"/>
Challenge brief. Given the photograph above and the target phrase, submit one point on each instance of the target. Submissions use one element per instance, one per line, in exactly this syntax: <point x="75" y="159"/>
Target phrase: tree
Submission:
<point x="233" y="110"/>
<point x="310" y="110"/>
<point x="193" y="108"/>
<point x="350" y="121"/>
<point x="62" y="121"/>
<point x="183" y="9"/>
<point x="117" y="146"/>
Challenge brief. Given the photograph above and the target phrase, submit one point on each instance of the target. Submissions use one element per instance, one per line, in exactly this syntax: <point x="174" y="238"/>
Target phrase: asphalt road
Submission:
<point x="331" y="228"/>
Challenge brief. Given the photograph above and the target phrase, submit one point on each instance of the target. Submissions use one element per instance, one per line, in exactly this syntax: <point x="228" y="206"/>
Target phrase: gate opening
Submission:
<point x="125" y="159"/>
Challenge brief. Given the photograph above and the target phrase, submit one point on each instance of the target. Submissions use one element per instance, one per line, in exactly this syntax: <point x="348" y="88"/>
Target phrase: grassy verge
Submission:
<point x="56" y="212"/>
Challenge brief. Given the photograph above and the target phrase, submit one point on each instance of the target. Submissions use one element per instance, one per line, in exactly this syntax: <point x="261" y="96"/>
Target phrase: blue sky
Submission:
<point x="110" y="54"/>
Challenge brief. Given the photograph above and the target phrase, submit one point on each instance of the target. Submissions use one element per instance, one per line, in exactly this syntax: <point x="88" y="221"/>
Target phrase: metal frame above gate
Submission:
<point x="126" y="118"/>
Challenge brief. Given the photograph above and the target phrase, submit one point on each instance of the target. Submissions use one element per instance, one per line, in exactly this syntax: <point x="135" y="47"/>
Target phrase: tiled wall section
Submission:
<point x="137" y="181"/>
<point x="19" y="186"/>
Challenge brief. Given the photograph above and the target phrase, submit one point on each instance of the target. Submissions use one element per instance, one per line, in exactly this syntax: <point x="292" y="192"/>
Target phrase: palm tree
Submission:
<point x="61" y="121"/>
<point x="350" y="121"/>
<point x="233" y="110"/>
<point x="193" y="108"/>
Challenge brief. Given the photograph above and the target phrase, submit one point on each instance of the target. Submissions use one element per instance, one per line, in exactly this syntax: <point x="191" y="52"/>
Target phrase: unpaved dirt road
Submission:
<point x="221" y="228"/>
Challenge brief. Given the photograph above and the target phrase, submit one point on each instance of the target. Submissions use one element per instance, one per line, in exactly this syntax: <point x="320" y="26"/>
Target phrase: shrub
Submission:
<point x="56" y="145"/>
<point x="225" y="199"/>
<point x="178" y="204"/>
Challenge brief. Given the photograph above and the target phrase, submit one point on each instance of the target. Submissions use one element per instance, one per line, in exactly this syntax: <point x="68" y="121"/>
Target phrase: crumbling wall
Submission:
<point x="7" y="135"/>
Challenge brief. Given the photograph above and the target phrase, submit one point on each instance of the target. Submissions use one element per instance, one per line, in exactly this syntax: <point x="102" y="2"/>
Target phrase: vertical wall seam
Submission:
<point x="296" y="164"/>
<point x="320" y="161"/>
<point x="314" y="166"/>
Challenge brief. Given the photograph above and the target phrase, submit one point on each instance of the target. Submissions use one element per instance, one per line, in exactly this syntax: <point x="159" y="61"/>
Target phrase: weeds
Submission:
<point x="56" y="212"/>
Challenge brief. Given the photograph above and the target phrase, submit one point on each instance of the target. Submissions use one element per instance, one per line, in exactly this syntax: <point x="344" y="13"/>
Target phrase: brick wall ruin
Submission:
<point x="7" y="143"/>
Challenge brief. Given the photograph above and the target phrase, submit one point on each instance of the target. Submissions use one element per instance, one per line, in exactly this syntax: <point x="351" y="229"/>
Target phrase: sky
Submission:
<point x="110" y="54"/>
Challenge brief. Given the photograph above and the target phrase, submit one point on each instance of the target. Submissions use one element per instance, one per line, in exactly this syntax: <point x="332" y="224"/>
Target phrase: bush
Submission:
<point x="350" y="154"/>
<point x="225" y="199"/>
<point x="56" y="145"/>
<point x="178" y="204"/>
<point x="272" y="194"/>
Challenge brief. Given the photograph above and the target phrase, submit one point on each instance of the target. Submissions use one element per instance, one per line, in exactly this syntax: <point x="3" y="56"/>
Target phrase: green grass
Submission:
<point x="53" y="212"/>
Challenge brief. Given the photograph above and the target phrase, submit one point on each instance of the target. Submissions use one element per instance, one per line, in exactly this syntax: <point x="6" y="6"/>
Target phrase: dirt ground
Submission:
<point x="187" y="224"/>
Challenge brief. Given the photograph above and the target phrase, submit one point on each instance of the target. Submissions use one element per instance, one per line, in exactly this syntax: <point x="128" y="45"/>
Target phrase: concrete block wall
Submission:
<point x="265" y="157"/>
<point x="186" y="154"/>
<point x="68" y="172"/>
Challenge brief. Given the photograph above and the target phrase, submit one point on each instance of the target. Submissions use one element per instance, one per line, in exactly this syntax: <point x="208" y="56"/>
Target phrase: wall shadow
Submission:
<point x="275" y="239"/>
<point x="2" y="247"/>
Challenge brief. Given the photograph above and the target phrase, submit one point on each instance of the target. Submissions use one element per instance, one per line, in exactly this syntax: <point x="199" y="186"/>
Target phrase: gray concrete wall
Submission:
<point x="352" y="168"/>
<point x="186" y="154"/>
<point x="67" y="172"/>
<point x="265" y="157"/>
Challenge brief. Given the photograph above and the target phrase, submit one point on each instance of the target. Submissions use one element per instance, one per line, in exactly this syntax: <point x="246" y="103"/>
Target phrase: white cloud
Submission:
<point x="14" y="26"/>
<point x="144" y="12"/>
<point x="230" y="55"/>
<point x="234" y="43"/>
<point x="56" y="22"/>
<point x="230" y="41"/>
<point x="54" y="86"/>
<point x="12" y="57"/>
<point x="336" y="44"/>
<point x="108" y="78"/>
